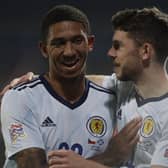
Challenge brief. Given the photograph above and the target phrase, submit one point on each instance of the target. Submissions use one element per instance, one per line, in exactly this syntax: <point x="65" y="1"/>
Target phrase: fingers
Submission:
<point x="130" y="131"/>
<point x="134" y="122"/>
<point x="57" y="153"/>
<point x="132" y="127"/>
<point x="56" y="160"/>
<point x="25" y="78"/>
<point x="123" y="143"/>
<point x="134" y="140"/>
<point x="57" y="157"/>
<point x="58" y="166"/>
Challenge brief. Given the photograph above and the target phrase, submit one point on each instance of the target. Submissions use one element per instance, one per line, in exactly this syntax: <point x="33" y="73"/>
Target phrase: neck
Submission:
<point x="71" y="89"/>
<point x="152" y="82"/>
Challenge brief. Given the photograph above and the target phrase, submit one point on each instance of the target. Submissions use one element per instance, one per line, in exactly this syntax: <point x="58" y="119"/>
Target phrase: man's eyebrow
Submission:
<point x="57" y="38"/>
<point x="62" y="38"/>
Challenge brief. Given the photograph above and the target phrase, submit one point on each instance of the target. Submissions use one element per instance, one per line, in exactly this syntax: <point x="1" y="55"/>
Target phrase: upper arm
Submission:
<point x="19" y="125"/>
<point x="30" y="158"/>
<point x="160" y="156"/>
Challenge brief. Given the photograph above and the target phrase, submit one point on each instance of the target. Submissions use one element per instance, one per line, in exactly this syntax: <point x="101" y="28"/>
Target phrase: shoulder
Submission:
<point x="20" y="94"/>
<point x="100" y="88"/>
<point x="106" y="81"/>
<point x="30" y="84"/>
<point x="98" y="79"/>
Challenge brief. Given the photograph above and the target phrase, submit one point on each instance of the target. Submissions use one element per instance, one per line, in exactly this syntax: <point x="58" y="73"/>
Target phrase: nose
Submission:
<point x="69" y="49"/>
<point x="112" y="53"/>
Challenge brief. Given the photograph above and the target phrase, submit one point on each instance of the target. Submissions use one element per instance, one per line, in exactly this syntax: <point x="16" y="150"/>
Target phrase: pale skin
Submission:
<point x="138" y="65"/>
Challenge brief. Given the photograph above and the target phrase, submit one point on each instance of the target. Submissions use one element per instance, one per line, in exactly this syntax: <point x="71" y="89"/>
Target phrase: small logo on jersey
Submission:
<point x="96" y="126"/>
<point x="48" y="123"/>
<point x="148" y="127"/>
<point x="119" y="114"/>
<point x="91" y="141"/>
<point x="100" y="142"/>
<point x="16" y="131"/>
<point x="166" y="153"/>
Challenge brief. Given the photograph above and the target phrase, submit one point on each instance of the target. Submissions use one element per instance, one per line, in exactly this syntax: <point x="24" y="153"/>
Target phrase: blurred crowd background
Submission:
<point x="19" y="34"/>
<point x="20" y="25"/>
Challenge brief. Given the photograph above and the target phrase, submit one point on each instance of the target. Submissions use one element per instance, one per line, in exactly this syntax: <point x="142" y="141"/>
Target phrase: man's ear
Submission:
<point x="146" y="51"/>
<point x="91" y="40"/>
<point x="43" y="49"/>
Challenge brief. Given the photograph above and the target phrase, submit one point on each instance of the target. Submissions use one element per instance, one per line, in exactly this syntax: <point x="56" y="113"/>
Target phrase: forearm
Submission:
<point x="106" y="159"/>
<point x="95" y="164"/>
<point x="155" y="166"/>
<point x="31" y="158"/>
<point x="69" y="159"/>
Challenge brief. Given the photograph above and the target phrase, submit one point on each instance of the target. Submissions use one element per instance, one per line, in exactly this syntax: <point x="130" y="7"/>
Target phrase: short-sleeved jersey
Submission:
<point x="34" y="115"/>
<point x="152" y="149"/>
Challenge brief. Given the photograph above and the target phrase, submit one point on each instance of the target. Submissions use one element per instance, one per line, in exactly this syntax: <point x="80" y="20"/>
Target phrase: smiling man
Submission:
<point x="61" y="110"/>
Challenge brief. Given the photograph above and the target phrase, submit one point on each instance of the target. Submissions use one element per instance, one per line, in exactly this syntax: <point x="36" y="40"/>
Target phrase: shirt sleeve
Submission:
<point x="160" y="156"/>
<point x="19" y="125"/>
<point x="110" y="82"/>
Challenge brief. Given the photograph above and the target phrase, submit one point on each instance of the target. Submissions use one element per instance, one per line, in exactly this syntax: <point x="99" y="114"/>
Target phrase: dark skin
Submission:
<point x="119" y="149"/>
<point x="121" y="145"/>
<point x="66" y="56"/>
<point x="73" y="50"/>
<point x="32" y="157"/>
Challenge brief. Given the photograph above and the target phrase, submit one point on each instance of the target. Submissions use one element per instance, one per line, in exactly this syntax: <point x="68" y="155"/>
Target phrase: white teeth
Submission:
<point x="70" y="62"/>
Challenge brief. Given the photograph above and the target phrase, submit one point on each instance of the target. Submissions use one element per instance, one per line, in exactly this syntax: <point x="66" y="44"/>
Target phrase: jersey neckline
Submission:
<point x="61" y="99"/>
<point x="141" y="101"/>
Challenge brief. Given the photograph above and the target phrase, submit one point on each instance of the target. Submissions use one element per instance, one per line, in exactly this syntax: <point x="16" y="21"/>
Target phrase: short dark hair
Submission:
<point x="63" y="13"/>
<point x="145" y="25"/>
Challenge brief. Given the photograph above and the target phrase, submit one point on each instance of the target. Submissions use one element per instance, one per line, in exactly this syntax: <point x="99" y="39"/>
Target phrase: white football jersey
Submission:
<point x="34" y="115"/>
<point x="152" y="149"/>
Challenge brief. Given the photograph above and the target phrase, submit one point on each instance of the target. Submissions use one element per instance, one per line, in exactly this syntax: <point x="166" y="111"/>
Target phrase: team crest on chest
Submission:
<point x="148" y="127"/>
<point x="96" y="126"/>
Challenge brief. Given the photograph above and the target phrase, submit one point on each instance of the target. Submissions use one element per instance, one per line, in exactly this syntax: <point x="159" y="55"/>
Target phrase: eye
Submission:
<point x="77" y="40"/>
<point x="58" y="43"/>
<point x="116" y="45"/>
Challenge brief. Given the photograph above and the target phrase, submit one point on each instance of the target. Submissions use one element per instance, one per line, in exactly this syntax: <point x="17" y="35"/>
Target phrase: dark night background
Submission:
<point x="19" y="34"/>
